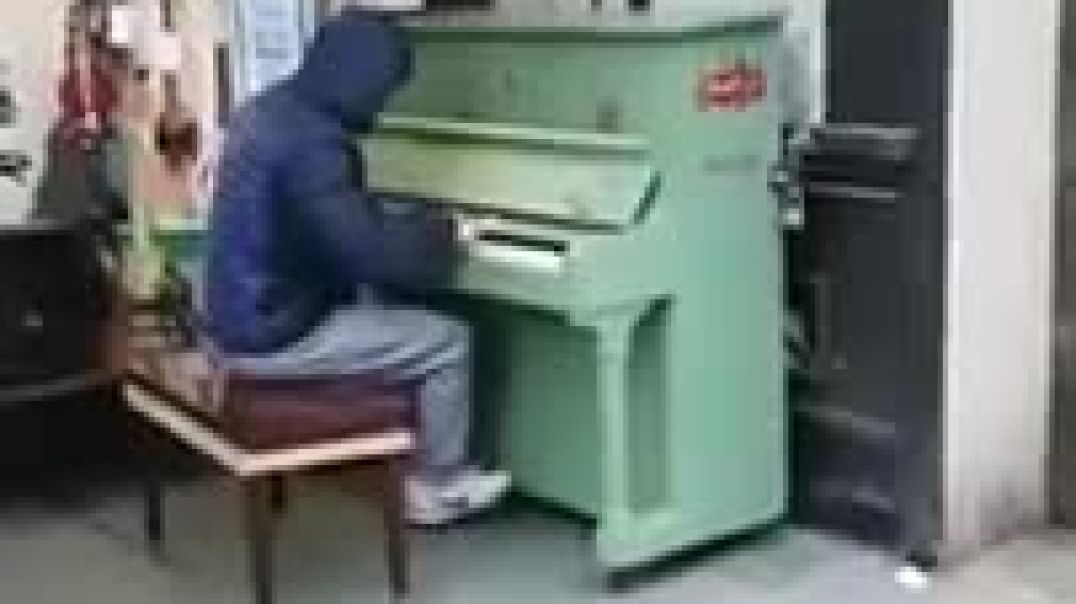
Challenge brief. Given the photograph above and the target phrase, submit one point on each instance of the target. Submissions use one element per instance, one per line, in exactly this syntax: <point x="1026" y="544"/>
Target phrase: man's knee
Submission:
<point x="456" y="338"/>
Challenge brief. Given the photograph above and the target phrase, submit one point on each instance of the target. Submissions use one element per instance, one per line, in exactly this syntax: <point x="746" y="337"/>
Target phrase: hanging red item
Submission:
<point x="88" y="94"/>
<point x="97" y="95"/>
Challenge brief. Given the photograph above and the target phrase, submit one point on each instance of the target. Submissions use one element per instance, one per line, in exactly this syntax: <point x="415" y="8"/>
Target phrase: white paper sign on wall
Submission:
<point x="271" y="36"/>
<point x="389" y="5"/>
<point x="124" y="20"/>
<point x="165" y="52"/>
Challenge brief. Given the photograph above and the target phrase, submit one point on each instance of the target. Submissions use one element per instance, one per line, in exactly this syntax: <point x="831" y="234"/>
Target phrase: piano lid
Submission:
<point x="660" y="21"/>
<point x="584" y="178"/>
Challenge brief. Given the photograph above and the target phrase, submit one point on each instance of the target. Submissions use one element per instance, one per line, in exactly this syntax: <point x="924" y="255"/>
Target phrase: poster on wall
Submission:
<point x="272" y="35"/>
<point x="14" y="161"/>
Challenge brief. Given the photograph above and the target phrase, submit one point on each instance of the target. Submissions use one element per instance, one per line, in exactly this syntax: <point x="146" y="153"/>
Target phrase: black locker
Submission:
<point x="868" y="277"/>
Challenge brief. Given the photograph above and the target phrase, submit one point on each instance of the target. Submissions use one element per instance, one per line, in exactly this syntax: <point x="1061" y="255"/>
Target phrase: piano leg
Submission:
<point x="614" y="349"/>
<point x="614" y="354"/>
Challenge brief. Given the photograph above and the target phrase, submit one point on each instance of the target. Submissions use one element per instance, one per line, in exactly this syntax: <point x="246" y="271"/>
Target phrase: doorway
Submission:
<point x="1063" y="424"/>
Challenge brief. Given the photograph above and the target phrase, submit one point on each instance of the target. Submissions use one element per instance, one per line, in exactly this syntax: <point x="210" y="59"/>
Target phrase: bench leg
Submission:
<point x="279" y="495"/>
<point x="392" y="502"/>
<point x="154" y="511"/>
<point x="259" y="521"/>
<point x="144" y="451"/>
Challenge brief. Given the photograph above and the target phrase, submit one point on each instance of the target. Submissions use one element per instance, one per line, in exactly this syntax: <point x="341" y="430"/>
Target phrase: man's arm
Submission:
<point x="349" y="229"/>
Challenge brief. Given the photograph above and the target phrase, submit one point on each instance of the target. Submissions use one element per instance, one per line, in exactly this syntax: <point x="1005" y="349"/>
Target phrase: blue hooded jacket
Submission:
<point x="293" y="231"/>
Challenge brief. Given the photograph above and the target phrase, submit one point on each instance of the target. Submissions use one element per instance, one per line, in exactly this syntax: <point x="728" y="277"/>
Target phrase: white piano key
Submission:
<point x="541" y="261"/>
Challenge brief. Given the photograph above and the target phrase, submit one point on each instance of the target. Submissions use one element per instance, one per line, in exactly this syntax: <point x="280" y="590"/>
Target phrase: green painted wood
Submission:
<point x="642" y="382"/>
<point x="512" y="134"/>
<point x="643" y="26"/>
<point x="581" y="177"/>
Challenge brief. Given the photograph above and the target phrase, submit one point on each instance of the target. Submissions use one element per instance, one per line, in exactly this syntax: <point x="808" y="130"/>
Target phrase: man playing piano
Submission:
<point x="305" y="265"/>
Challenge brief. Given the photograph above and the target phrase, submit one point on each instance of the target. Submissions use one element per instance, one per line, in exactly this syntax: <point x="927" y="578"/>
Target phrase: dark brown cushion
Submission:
<point x="262" y="414"/>
<point x="271" y="413"/>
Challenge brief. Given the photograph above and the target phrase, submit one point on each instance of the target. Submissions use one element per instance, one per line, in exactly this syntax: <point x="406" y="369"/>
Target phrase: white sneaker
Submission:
<point x="437" y="504"/>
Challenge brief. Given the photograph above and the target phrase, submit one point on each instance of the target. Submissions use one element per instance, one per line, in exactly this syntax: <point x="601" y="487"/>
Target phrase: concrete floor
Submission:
<point x="329" y="552"/>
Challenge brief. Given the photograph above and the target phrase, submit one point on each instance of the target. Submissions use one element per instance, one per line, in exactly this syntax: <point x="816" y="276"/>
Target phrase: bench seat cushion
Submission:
<point x="260" y="414"/>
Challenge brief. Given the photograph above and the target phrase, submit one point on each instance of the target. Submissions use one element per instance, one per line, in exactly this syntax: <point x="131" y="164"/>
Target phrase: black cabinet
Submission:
<point x="867" y="273"/>
<point x="62" y="429"/>
<point x="52" y="306"/>
<point x="853" y="268"/>
<point x="854" y="424"/>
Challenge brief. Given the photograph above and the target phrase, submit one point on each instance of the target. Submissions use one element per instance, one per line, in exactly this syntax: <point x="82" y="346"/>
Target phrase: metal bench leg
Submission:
<point x="259" y="520"/>
<point x="392" y="502"/>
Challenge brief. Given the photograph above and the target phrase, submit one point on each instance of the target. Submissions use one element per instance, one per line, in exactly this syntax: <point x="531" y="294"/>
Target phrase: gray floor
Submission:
<point x="330" y="553"/>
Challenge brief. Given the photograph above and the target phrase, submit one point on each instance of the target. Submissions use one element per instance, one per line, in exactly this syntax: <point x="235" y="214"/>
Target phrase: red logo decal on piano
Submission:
<point x="732" y="88"/>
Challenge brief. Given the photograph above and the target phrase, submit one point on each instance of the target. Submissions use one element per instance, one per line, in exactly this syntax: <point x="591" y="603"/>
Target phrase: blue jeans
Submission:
<point x="405" y="342"/>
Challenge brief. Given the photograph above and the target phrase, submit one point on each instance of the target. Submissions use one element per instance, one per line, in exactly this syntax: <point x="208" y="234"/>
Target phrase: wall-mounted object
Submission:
<point x="269" y="37"/>
<point x="124" y="21"/>
<point x="177" y="135"/>
<point x="88" y="92"/>
<point x="15" y="161"/>
<point x="390" y="5"/>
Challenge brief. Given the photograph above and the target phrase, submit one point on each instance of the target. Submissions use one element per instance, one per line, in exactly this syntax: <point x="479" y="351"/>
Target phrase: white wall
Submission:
<point x="807" y="40"/>
<point x="1002" y="196"/>
<point x="31" y="32"/>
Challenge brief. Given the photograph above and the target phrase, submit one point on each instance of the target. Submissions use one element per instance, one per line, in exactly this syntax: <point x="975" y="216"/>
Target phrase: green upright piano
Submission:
<point x="622" y="257"/>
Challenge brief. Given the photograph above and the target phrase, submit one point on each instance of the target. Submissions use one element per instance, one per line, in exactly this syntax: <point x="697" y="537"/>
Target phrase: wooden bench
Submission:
<point x="261" y="431"/>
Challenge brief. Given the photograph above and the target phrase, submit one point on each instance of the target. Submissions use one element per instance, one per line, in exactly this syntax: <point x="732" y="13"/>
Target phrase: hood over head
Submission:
<point x="356" y="61"/>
